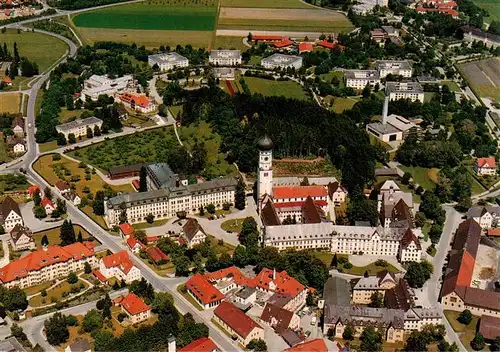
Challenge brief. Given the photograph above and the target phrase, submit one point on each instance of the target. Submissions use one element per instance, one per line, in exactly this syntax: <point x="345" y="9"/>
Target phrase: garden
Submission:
<point x="57" y="293"/>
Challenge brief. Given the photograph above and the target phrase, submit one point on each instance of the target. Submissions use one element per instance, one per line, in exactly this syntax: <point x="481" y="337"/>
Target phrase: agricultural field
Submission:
<point x="225" y="42"/>
<point x="484" y="77"/>
<point x="10" y="103"/>
<point x="151" y="23"/>
<point x="268" y="87"/>
<point x="274" y="4"/>
<point x="427" y="178"/>
<point x="493" y="8"/>
<point x="43" y="49"/>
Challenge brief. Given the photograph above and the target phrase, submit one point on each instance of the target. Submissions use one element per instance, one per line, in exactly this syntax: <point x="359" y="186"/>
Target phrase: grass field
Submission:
<point x="340" y="104"/>
<point x="371" y="268"/>
<point x="233" y="225"/>
<point x="229" y="43"/>
<point x="56" y="292"/>
<point x="426" y="178"/>
<point x="10" y="103"/>
<point x="41" y="48"/>
<point x="4" y="156"/>
<point x="66" y="169"/>
<point x="267" y="87"/>
<point x="53" y="235"/>
<point x="465" y="332"/>
<point x="493" y="8"/>
<point x="276" y="4"/>
<point x="298" y="25"/>
<point x="483" y="76"/>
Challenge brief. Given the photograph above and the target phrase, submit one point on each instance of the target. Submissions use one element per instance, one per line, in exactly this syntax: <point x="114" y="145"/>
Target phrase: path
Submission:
<point x="244" y="33"/>
<point x="6" y="253"/>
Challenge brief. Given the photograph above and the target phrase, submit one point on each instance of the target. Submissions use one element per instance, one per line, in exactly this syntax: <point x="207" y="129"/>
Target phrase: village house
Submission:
<point x="279" y="319"/>
<point x="485" y="166"/>
<point x="10" y="214"/>
<point x="395" y="206"/>
<point x="47" y="264"/>
<point x="140" y="103"/>
<point x="32" y="190"/>
<point x="73" y="198"/>
<point x="315" y="345"/>
<point x="203" y="344"/>
<point x="18" y="126"/>
<point x="135" y="245"/>
<point x="63" y="187"/>
<point x="237" y="323"/>
<point x="337" y="193"/>
<point x="79" y="127"/>
<point x="16" y="144"/>
<point x="48" y="205"/>
<point x="135" y="308"/>
<point x="486" y="216"/>
<point x="126" y="230"/>
<point x="204" y="292"/>
<point x="21" y="238"/>
<point x="192" y="233"/>
<point x="157" y="255"/>
<point x="120" y="266"/>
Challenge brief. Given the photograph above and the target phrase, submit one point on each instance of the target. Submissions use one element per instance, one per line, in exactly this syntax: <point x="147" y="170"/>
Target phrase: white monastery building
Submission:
<point x="281" y="61"/>
<point x="168" y="61"/>
<point x="225" y="57"/>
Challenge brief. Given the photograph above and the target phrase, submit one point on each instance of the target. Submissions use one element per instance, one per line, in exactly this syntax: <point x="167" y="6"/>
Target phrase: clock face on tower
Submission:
<point x="266" y="158"/>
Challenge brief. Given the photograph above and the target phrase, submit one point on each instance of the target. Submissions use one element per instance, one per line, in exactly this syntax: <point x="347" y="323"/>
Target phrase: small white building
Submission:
<point x="405" y="90"/>
<point x="394" y="67"/>
<point x="103" y="85"/>
<point x="135" y="308"/>
<point x="281" y="61"/>
<point x="79" y="127"/>
<point x="486" y="216"/>
<point x="168" y="61"/>
<point x="485" y="166"/>
<point x="358" y="79"/>
<point x="192" y="233"/>
<point x="225" y="57"/>
<point x="10" y="214"/>
<point x="246" y="296"/>
<point x="120" y="266"/>
<point x="21" y="238"/>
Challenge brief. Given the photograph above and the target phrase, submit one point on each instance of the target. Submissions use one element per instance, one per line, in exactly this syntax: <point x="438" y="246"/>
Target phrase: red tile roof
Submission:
<point x="7" y="80"/>
<point x="132" y="242"/>
<point x="152" y="239"/>
<point x="61" y="185"/>
<point x="204" y="344"/>
<point x="201" y="288"/>
<point x="136" y="184"/>
<point x="321" y="203"/>
<point x="269" y="38"/>
<point x="284" y="43"/>
<point x="316" y="345"/>
<point x="466" y="270"/>
<point x="303" y="47"/>
<point x="41" y="258"/>
<point x="32" y="190"/>
<point x="134" y="305"/>
<point x="238" y="321"/>
<point x="140" y="100"/>
<point x="481" y="162"/>
<point x="156" y="254"/>
<point x="47" y="201"/>
<point x="232" y="272"/>
<point x="285" y="284"/>
<point x="287" y="192"/>
<point x="120" y="259"/>
<point x="493" y="232"/>
<point x="99" y="276"/>
<point x="126" y="228"/>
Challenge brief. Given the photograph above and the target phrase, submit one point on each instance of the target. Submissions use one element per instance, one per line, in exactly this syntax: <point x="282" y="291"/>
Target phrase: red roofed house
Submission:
<point x="126" y="229"/>
<point x="120" y="266"/>
<point x="157" y="255"/>
<point x="193" y="233"/>
<point x="99" y="276"/>
<point x="237" y="323"/>
<point x="48" y="205"/>
<point x="63" y="187"/>
<point x="32" y="190"/>
<point x="135" y="245"/>
<point x="47" y="264"/>
<point x="7" y="80"/>
<point x="204" y="344"/>
<point x="139" y="103"/>
<point x="283" y="43"/>
<point x="135" y="308"/>
<point x="316" y="345"/>
<point x="267" y="38"/>
<point x="305" y="47"/>
<point x="204" y="292"/>
<point x="299" y="193"/>
<point x="485" y="166"/>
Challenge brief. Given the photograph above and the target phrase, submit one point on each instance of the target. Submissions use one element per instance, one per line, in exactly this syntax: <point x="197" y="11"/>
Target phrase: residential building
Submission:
<point x="485" y="166"/>
<point x="103" y="85"/>
<point x="337" y="291"/>
<point x="456" y="292"/>
<point x="63" y="187"/>
<point x="135" y="308"/>
<point x="79" y="127"/>
<point x="410" y="249"/>
<point x="32" y="190"/>
<point x="204" y="292"/>
<point x="405" y="90"/>
<point x="305" y="47"/>
<point x="126" y="230"/>
<point x="139" y="103"/>
<point x="225" y="57"/>
<point x="394" y="67"/>
<point x="390" y="31"/>
<point x="337" y="193"/>
<point x="80" y="345"/>
<point x="10" y="214"/>
<point x="47" y="264"/>
<point x="359" y="79"/>
<point x="18" y="126"/>
<point x="192" y="233"/>
<point x="486" y="216"/>
<point x="472" y="34"/>
<point x="73" y="198"/>
<point x="134" y="245"/>
<point x="21" y="238"/>
<point x="378" y="36"/>
<point x="315" y="345"/>
<point x="168" y="61"/>
<point x="204" y="344"/>
<point x="281" y="61"/>
<point x="157" y="255"/>
<point x="48" y="205"/>
<point x="120" y="266"/>
<point x="245" y="297"/>
<point x="279" y="319"/>
<point x="395" y="206"/>
<point x="363" y="288"/>
<point x="237" y="323"/>
<point x="167" y="196"/>
<point x="16" y="144"/>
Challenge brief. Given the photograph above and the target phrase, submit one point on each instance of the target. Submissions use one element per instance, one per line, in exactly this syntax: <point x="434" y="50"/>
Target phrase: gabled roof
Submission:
<point x="126" y="228"/>
<point x="139" y="100"/>
<point x="467" y="237"/>
<point x="7" y="206"/>
<point x="191" y="228"/>
<point x="238" y="321"/>
<point x="277" y="317"/>
<point x="120" y="260"/>
<point x="231" y="272"/>
<point x="304" y="47"/>
<point x="269" y="216"/>
<point x="132" y="242"/>
<point x="47" y="201"/>
<point x="156" y="254"/>
<point x="204" y="290"/>
<point x="335" y="187"/>
<point x="486" y="162"/>
<point x="62" y="186"/>
<point x="408" y="238"/>
<point x="80" y="345"/>
<point x="32" y="190"/>
<point x="316" y="345"/>
<point x="18" y="231"/>
<point x="286" y="192"/>
<point x="489" y="327"/>
<point x="204" y="344"/>
<point x="285" y="284"/>
<point x="311" y="213"/>
<point x="134" y="305"/>
<point x="18" y="121"/>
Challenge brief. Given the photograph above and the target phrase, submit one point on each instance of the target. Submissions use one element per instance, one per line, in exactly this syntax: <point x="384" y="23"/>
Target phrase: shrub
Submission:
<point x="121" y="317"/>
<point x="347" y="265"/>
<point x="44" y="293"/>
<point x="465" y="317"/>
<point x="382" y="263"/>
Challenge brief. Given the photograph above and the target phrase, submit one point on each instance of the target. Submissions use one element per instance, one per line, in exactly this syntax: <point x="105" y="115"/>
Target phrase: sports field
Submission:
<point x="10" y="103"/>
<point x="493" y="7"/>
<point x="484" y="77"/>
<point x="272" y="4"/>
<point x="43" y="49"/>
<point x="266" y="87"/>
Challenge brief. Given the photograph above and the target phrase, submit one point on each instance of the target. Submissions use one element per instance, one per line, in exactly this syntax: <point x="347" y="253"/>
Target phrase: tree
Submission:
<point x="71" y="138"/>
<point x="310" y="299"/>
<point x="418" y="273"/>
<point x="87" y="268"/>
<point x="415" y="342"/>
<point x="366" y="91"/>
<point x="61" y="206"/>
<point x="67" y="233"/>
<point x="240" y="257"/>
<point x="495" y="345"/>
<point x="80" y="237"/>
<point x="348" y="334"/>
<point x="106" y="310"/>
<point x="39" y="212"/>
<point x="37" y="199"/>
<point x="362" y="209"/>
<point x="2" y="230"/>
<point x="150" y="218"/>
<point x="478" y="342"/>
<point x="61" y="139"/>
<point x="90" y="134"/>
<point x="257" y="345"/>
<point x="376" y="300"/>
<point x="17" y="332"/>
<point x="371" y="340"/>
<point x="143" y="185"/>
<point x="97" y="131"/>
<point x="45" y="241"/>
<point x="123" y="218"/>
<point x="140" y="235"/>
<point x="98" y="203"/>
<point x="56" y="329"/>
<point x="13" y="298"/>
<point x="239" y="196"/>
<point x="48" y="192"/>
<point x="72" y="278"/>
<point x="202" y="211"/>
<point x="406" y="178"/>
<point x="465" y="317"/>
<point x="211" y="208"/>
<point x="92" y="320"/>
<point x="248" y="230"/>
<point x="305" y="181"/>
<point x="181" y="263"/>
<point x="444" y="346"/>
<point x="334" y="262"/>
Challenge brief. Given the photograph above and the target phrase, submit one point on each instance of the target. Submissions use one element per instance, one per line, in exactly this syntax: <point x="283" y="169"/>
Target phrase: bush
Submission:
<point x="44" y="293"/>
<point x="347" y="265"/>
<point x="382" y="263"/>
<point x="121" y="317"/>
<point x="56" y="157"/>
<point x="465" y="317"/>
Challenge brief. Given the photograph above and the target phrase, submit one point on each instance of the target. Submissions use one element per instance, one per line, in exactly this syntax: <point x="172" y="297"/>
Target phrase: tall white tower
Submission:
<point x="265" y="172"/>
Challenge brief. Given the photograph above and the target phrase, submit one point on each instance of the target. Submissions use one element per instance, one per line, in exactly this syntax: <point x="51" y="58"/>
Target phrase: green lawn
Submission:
<point x="37" y="288"/>
<point x="145" y="225"/>
<point x="452" y="85"/>
<point x="157" y="15"/>
<point x="325" y="256"/>
<point x="427" y="178"/>
<point x="371" y="268"/>
<point x="56" y="292"/>
<point x="268" y="87"/>
<point x="175" y="110"/>
<point x="493" y="8"/>
<point x="327" y="77"/>
<point x="339" y="105"/>
<point x="11" y="182"/>
<point x="226" y="42"/>
<point x="43" y="49"/>
<point x="299" y="25"/>
<point x="233" y="225"/>
<point x="53" y="235"/>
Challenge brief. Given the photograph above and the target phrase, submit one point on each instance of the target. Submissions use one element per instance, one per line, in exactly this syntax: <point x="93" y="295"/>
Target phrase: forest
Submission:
<point x="298" y="128"/>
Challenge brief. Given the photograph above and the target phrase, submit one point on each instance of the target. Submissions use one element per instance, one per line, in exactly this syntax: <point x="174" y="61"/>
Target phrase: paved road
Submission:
<point x="244" y="32"/>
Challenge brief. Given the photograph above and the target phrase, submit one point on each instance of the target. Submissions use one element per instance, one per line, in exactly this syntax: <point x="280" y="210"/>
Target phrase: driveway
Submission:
<point x="33" y="223"/>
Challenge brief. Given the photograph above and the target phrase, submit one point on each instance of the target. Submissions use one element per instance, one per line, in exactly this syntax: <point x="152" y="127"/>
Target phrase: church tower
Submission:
<point x="265" y="172"/>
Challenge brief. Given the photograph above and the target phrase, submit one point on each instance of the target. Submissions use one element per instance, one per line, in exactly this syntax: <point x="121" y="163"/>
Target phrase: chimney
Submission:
<point x="171" y="343"/>
<point x="274" y="273"/>
<point x="385" y="110"/>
